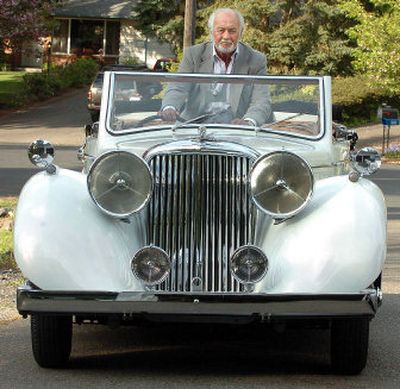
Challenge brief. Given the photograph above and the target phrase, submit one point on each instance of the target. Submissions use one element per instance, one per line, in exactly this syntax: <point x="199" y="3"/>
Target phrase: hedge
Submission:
<point x="357" y="101"/>
<point x="43" y="85"/>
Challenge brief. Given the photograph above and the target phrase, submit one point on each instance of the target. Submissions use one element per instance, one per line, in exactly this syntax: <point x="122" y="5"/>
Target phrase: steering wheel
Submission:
<point x="150" y="118"/>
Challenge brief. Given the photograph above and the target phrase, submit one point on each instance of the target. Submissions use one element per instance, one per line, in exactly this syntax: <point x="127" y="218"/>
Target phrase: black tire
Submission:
<point x="51" y="339"/>
<point x="349" y="345"/>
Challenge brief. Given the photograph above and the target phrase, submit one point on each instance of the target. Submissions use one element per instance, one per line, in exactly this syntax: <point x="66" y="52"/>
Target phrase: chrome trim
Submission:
<point x="231" y="78"/>
<point x="263" y="307"/>
<point x="201" y="146"/>
<point x="200" y="211"/>
<point x="281" y="182"/>
<point x="94" y="165"/>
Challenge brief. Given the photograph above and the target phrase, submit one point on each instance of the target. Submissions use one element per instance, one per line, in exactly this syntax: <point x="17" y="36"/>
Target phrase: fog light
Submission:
<point x="249" y="264"/>
<point x="151" y="265"/>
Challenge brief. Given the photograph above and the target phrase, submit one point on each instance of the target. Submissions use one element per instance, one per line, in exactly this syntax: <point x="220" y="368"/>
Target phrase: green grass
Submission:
<point x="6" y="238"/>
<point x="11" y="85"/>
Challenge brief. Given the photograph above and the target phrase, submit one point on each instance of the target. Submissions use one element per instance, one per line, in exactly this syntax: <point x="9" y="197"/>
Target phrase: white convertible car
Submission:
<point x="252" y="206"/>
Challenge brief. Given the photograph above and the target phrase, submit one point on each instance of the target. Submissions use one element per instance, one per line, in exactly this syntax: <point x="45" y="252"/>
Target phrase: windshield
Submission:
<point x="139" y="101"/>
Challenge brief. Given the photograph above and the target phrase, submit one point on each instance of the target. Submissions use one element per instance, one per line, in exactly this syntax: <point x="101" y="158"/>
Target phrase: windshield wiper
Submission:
<point x="189" y="121"/>
<point x="197" y="119"/>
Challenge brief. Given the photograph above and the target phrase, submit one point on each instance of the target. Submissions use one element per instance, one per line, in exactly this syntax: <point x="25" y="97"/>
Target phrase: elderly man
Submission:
<point x="225" y="54"/>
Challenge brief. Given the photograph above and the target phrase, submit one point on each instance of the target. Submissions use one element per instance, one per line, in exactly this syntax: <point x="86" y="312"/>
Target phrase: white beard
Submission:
<point x="225" y="50"/>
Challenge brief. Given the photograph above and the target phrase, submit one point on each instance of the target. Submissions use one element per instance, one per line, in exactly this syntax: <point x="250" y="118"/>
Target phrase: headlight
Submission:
<point x="120" y="183"/>
<point x="151" y="265"/>
<point x="281" y="184"/>
<point x="249" y="264"/>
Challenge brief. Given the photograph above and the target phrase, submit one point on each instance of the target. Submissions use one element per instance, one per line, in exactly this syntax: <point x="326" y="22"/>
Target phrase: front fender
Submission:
<point x="63" y="242"/>
<point x="337" y="244"/>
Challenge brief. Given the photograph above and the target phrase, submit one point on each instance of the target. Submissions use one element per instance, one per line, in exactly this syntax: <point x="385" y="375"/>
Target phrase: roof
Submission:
<point x="96" y="9"/>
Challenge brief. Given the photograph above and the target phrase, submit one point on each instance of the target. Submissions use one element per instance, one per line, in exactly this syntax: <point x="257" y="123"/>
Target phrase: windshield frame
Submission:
<point x="319" y="81"/>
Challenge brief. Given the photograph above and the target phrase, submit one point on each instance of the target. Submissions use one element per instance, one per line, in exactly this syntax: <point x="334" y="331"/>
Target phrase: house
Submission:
<point x="101" y="29"/>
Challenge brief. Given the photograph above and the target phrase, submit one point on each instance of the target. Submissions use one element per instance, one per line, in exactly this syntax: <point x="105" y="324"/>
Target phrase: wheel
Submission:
<point x="349" y="345"/>
<point x="51" y="339"/>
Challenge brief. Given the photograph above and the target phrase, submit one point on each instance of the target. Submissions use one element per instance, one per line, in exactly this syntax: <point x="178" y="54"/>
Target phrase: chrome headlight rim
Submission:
<point x="260" y="252"/>
<point x="282" y="215"/>
<point x="90" y="175"/>
<point x="136" y="273"/>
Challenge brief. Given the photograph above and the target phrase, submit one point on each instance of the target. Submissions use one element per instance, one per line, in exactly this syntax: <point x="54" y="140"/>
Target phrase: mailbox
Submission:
<point x="388" y="115"/>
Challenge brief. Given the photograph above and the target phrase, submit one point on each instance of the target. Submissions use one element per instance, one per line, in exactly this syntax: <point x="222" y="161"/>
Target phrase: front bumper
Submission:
<point x="262" y="306"/>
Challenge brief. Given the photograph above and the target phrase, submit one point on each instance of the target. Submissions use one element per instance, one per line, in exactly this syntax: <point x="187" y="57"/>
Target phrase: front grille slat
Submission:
<point x="200" y="213"/>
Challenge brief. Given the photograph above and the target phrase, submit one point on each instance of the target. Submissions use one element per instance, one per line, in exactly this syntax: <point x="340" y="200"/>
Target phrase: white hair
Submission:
<point x="220" y="10"/>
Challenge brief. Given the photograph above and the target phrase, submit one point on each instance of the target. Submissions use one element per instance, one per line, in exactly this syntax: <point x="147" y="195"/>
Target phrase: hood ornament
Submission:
<point x="202" y="133"/>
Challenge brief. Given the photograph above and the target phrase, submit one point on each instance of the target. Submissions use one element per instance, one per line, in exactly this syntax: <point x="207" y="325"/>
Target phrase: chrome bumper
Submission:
<point x="261" y="306"/>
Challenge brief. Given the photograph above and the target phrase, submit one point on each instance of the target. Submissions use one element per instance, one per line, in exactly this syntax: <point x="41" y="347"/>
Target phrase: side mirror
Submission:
<point x="367" y="161"/>
<point x="41" y="154"/>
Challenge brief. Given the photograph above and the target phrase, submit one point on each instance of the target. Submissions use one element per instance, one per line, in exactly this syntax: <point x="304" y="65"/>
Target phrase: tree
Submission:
<point x="24" y="21"/>
<point x="298" y="36"/>
<point x="256" y="14"/>
<point x="377" y="32"/>
<point x="314" y="41"/>
<point x="162" y="19"/>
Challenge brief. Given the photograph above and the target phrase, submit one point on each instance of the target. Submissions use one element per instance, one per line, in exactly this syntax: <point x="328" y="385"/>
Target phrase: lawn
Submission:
<point x="6" y="236"/>
<point x="10" y="85"/>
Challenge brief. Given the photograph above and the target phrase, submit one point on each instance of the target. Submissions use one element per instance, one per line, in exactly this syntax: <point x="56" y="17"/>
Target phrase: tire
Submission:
<point x="349" y="345"/>
<point x="51" y="339"/>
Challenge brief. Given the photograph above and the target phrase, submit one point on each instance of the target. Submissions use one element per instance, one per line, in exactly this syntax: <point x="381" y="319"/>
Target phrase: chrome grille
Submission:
<point x="199" y="214"/>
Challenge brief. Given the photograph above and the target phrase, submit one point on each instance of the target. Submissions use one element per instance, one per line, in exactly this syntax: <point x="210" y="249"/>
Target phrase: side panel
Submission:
<point x="63" y="242"/>
<point x="337" y="244"/>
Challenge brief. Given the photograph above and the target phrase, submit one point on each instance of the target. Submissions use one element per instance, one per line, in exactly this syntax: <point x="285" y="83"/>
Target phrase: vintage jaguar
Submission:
<point x="251" y="206"/>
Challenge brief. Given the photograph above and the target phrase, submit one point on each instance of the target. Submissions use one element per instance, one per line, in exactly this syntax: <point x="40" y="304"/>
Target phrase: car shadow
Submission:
<point x="205" y="349"/>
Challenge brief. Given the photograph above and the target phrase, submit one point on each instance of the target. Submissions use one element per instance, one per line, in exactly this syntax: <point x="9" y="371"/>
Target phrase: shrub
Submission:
<point x="393" y="151"/>
<point x="44" y="85"/>
<point x="357" y="101"/>
<point x="6" y="236"/>
<point x="41" y="85"/>
<point x="79" y="73"/>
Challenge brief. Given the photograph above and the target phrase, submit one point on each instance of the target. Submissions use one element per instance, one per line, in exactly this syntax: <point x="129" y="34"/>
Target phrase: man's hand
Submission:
<point x="239" y="121"/>
<point x="168" y="115"/>
<point x="246" y="122"/>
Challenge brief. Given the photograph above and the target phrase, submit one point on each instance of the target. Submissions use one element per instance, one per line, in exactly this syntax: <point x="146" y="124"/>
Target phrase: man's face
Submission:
<point x="226" y="32"/>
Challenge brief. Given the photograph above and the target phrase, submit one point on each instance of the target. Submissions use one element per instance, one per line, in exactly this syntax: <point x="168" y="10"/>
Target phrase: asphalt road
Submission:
<point x="60" y="121"/>
<point x="175" y="356"/>
<point x="179" y="357"/>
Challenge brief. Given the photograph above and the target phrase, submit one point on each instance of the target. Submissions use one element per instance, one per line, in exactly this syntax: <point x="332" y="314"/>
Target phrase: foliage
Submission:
<point x="392" y="152"/>
<point x="256" y="14"/>
<point x="79" y="73"/>
<point x="133" y="60"/>
<point x="24" y="20"/>
<point x="41" y="85"/>
<point x="162" y="19"/>
<point x="313" y="41"/>
<point x="377" y="31"/>
<point x="44" y="85"/>
<point x="6" y="237"/>
<point x="299" y="37"/>
<point x="358" y="101"/>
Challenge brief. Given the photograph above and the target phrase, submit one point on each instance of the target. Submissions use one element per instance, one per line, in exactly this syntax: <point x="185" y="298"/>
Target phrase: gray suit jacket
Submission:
<point x="249" y="101"/>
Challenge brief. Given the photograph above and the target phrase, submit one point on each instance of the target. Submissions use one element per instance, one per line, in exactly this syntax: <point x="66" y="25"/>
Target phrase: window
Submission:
<point x="86" y="36"/>
<point x="112" y="38"/>
<point x="60" y="38"/>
